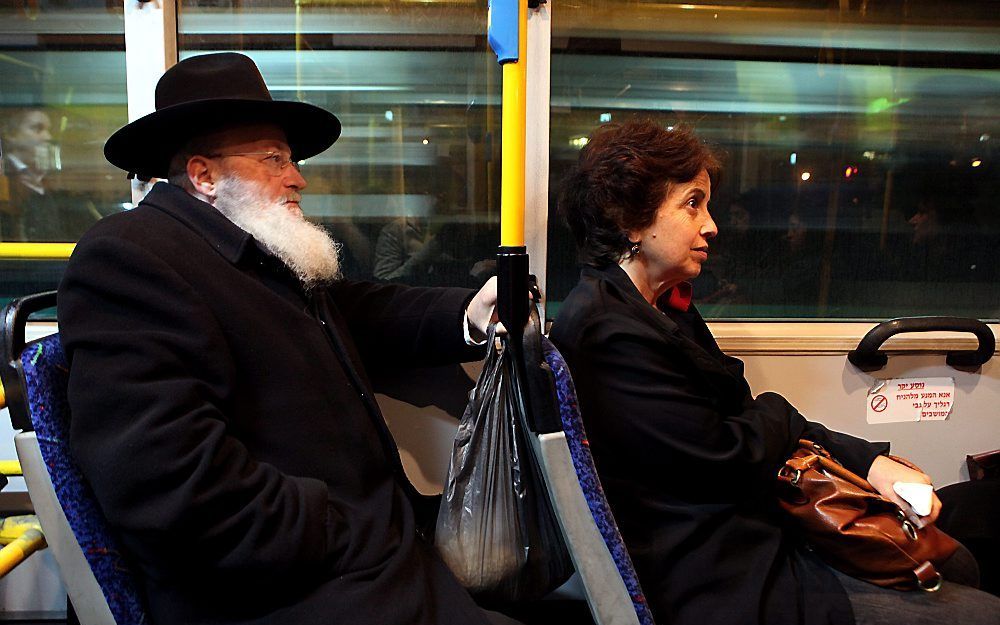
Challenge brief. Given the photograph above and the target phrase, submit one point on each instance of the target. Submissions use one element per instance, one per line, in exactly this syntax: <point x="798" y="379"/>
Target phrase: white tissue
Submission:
<point x="917" y="495"/>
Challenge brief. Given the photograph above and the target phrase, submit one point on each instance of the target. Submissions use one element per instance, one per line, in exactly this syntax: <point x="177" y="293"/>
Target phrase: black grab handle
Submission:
<point x="867" y="356"/>
<point x="14" y="318"/>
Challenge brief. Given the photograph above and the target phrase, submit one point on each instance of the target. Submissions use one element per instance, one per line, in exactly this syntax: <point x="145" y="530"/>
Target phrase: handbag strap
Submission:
<point x="811" y="454"/>
<point x="830" y="464"/>
<point x="928" y="579"/>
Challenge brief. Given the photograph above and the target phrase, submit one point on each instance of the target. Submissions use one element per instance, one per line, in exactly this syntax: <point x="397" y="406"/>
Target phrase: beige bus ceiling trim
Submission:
<point x="807" y="338"/>
<point x="36" y="251"/>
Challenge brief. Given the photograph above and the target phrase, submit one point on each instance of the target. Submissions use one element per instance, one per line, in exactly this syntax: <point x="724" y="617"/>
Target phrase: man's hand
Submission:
<point x="885" y="472"/>
<point x="482" y="310"/>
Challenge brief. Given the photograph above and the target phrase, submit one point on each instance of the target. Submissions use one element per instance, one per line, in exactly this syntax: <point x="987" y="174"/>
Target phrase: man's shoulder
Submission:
<point x="147" y="223"/>
<point x="145" y="234"/>
<point x="127" y="218"/>
<point x="143" y="225"/>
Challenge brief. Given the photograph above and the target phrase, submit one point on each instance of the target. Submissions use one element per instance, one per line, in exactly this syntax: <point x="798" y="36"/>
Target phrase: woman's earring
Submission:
<point x="633" y="250"/>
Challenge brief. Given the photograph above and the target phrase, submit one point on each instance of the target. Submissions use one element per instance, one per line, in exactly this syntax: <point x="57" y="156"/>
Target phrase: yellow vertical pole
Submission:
<point x="513" y="136"/>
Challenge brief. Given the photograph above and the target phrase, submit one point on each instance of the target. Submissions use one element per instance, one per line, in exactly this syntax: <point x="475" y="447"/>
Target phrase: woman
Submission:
<point x="686" y="455"/>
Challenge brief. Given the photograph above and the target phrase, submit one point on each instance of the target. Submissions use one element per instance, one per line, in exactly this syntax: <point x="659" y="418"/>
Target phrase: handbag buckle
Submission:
<point x="931" y="585"/>
<point x="796" y="474"/>
<point x="908" y="528"/>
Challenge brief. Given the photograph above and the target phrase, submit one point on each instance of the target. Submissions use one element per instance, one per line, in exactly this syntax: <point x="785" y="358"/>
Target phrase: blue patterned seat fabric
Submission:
<point x="583" y="462"/>
<point x="47" y="374"/>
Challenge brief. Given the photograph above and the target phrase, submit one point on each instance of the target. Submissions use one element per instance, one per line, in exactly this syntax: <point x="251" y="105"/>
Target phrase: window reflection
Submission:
<point x="903" y="95"/>
<point x="62" y="71"/>
<point x="861" y="173"/>
<point x="36" y="206"/>
<point x="412" y="186"/>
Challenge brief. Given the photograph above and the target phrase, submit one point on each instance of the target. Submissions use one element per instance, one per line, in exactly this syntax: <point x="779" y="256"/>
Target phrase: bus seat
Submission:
<point x="602" y="563"/>
<point x="35" y="376"/>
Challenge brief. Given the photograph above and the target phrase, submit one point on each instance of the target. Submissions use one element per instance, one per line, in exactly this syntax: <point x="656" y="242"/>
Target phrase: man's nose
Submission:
<point x="294" y="178"/>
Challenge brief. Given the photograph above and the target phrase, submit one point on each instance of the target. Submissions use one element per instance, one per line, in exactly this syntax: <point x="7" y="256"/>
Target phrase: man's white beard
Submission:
<point x="304" y="247"/>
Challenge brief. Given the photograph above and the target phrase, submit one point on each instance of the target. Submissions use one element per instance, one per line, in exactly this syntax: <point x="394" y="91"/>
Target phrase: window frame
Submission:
<point x="151" y="48"/>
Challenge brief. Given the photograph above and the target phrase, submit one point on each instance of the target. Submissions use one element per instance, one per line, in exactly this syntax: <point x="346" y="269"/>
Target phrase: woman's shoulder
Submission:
<point x="592" y="294"/>
<point x="597" y="301"/>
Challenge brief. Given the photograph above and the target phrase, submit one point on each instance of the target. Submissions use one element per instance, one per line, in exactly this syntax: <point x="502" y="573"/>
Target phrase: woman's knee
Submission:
<point x="961" y="568"/>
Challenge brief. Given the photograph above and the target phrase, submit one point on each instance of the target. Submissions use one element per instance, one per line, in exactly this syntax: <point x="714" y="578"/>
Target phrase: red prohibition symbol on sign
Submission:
<point x="879" y="403"/>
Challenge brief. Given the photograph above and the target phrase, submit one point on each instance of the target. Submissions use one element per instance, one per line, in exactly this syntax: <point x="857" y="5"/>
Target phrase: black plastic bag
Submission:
<point x="496" y="529"/>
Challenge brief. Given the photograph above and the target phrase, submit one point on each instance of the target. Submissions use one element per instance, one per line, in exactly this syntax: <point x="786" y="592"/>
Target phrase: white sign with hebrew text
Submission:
<point x="910" y="399"/>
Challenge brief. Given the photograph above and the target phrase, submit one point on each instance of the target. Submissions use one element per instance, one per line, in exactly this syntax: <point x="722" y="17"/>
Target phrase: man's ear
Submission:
<point x="201" y="171"/>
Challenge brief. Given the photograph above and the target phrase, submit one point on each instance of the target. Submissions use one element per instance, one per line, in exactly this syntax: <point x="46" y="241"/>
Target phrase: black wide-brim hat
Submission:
<point x="208" y="93"/>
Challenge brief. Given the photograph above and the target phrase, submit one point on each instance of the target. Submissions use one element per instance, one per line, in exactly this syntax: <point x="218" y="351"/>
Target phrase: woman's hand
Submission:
<point x="885" y="472"/>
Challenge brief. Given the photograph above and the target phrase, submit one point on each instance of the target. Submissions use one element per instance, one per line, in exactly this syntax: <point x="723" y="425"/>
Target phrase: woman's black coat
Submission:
<point x="228" y="428"/>
<point x="688" y="458"/>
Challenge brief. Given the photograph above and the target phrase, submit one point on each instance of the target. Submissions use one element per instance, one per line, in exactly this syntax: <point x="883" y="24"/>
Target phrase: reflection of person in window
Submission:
<point x="29" y="209"/>
<point x="686" y="454"/>
<point x="947" y="244"/>
<point x="724" y="275"/>
<point x="406" y="250"/>
<point x="799" y="255"/>
<point x="26" y="140"/>
<point x="430" y="252"/>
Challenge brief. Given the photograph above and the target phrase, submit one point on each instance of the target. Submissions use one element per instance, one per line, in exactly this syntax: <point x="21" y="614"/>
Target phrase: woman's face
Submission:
<point x="676" y="244"/>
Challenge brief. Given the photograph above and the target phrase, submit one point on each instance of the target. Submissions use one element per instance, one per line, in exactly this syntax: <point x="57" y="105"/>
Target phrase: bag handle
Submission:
<point x="819" y="455"/>
<point x="832" y="466"/>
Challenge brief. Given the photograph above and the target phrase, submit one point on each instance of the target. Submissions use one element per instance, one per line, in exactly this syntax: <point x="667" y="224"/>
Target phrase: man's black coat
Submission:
<point x="227" y="426"/>
<point x="688" y="458"/>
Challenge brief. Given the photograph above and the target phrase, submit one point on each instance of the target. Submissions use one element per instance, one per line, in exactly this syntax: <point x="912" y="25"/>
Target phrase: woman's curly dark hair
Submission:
<point x="622" y="178"/>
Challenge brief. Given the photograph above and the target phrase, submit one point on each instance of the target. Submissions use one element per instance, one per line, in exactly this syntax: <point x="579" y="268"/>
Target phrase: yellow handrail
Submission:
<point x="18" y="551"/>
<point x="23" y="536"/>
<point x="36" y="251"/>
<point x="10" y="468"/>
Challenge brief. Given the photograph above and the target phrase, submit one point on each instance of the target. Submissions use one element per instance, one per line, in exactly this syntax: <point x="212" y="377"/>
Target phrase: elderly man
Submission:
<point x="221" y="409"/>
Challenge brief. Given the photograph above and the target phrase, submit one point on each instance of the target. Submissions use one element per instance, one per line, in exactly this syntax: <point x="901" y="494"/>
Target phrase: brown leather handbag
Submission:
<point x="855" y="529"/>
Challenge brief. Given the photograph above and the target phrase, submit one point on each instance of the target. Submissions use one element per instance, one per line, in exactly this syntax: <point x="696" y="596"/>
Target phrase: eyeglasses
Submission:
<point x="275" y="162"/>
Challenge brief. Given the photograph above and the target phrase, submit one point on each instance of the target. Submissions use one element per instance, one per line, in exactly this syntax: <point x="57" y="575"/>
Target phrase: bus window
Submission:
<point x="63" y="76"/>
<point x="860" y="145"/>
<point x="412" y="186"/>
